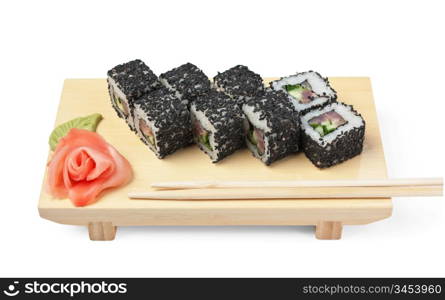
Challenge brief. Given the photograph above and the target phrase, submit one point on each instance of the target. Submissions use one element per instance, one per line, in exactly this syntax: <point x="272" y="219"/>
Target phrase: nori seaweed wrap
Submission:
<point x="127" y="83"/>
<point x="162" y="121"/>
<point x="332" y="134"/>
<point x="187" y="81"/>
<point x="218" y="125"/>
<point x="240" y="83"/>
<point x="273" y="126"/>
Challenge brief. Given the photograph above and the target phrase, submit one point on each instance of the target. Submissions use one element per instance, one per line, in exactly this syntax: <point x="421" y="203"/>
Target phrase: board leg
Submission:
<point x="328" y="230"/>
<point x="101" y="231"/>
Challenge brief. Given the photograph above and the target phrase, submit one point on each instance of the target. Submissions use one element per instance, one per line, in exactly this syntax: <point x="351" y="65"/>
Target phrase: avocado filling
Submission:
<point x="256" y="138"/>
<point x="147" y="132"/>
<point x="202" y="135"/>
<point x="121" y="105"/>
<point x="301" y="92"/>
<point x="327" y="122"/>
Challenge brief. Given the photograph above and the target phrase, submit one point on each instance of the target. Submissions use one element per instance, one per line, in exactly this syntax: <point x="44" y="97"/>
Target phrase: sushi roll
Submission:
<point x="187" y="81"/>
<point x="240" y="83"/>
<point x="218" y="125"/>
<point x="273" y="128"/>
<point x="128" y="82"/>
<point x="306" y="91"/>
<point x="332" y="134"/>
<point x="162" y="122"/>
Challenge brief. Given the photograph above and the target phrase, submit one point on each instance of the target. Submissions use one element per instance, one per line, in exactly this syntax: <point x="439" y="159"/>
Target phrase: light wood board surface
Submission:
<point x="85" y="96"/>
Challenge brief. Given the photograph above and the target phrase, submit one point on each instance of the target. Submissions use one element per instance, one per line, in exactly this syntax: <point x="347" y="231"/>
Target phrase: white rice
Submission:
<point x="205" y="123"/>
<point x="317" y="83"/>
<point x="254" y="119"/>
<point x="345" y="111"/>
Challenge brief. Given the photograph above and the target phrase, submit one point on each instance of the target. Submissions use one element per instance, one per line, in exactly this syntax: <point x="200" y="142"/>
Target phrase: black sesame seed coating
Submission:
<point x="188" y="80"/>
<point x="283" y="121"/>
<point x="134" y="79"/>
<point x="343" y="147"/>
<point x="318" y="106"/>
<point x="228" y="120"/>
<point x="171" y="117"/>
<point x="239" y="83"/>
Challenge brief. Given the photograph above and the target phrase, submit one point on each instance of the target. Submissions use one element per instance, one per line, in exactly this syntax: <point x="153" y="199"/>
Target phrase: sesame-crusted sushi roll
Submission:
<point x="218" y="125"/>
<point x="240" y="83"/>
<point x="162" y="122"/>
<point x="187" y="81"/>
<point x="306" y="91"/>
<point x="273" y="126"/>
<point x="332" y="134"/>
<point x="128" y="82"/>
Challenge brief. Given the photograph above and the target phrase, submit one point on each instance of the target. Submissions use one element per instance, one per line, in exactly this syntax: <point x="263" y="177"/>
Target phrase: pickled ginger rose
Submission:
<point x="83" y="165"/>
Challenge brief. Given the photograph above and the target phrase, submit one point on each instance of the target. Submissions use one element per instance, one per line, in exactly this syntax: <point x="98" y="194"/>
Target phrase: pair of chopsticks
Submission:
<point x="305" y="189"/>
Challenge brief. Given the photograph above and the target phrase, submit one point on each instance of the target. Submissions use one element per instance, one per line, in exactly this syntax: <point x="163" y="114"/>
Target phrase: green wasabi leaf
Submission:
<point x="88" y="122"/>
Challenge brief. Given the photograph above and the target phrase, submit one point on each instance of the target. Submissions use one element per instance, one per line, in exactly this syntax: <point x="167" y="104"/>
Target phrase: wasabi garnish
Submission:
<point x="88" y="123"/>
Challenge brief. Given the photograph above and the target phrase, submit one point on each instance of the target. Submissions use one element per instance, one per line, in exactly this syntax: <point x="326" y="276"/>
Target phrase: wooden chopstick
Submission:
<point x="307" y="192"/>
<point x="297" y="184"/>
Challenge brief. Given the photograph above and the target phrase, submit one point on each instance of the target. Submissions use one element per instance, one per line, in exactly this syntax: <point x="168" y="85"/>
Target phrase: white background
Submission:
<point x="399" y="44"/>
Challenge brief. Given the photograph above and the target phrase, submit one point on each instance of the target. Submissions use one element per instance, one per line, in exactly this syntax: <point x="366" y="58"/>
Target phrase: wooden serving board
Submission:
<point x="85" y="96"/>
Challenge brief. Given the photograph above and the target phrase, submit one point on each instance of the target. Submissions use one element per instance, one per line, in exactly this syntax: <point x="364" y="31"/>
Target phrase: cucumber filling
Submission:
<point x="204" y="139"/>
<point x="121" y="105"/>
<point x="147" y="132"/>
<point x="327" y="122"/>
<point x="301" y="92"/>
<point x="256" y="138"/>
<point x="202" y="135"/>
